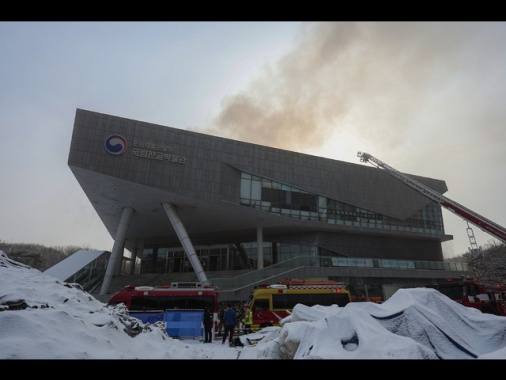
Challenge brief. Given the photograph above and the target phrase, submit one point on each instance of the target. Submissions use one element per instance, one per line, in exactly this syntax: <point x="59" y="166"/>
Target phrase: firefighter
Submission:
<point x="221" y="318"/>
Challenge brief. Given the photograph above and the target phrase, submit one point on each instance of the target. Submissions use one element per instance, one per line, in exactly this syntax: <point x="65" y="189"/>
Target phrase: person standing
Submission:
<point x="208" y="326"/>
<point x="230" y="320"/>
<point x="238" y="314"/>
<point x="221" y="319"/>
<point x="247" y="320"/>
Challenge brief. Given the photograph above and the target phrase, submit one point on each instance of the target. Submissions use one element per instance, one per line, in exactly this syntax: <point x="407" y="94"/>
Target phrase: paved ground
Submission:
<point x="217" y="350"/>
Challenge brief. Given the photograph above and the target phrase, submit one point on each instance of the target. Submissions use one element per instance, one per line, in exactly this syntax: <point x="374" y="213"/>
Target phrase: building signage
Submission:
<point x="116" y="144"/>
<point x="156" y="152"/>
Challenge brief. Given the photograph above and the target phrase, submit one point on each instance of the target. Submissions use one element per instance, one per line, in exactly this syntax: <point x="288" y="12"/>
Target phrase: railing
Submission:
<point x="328" y="261"/>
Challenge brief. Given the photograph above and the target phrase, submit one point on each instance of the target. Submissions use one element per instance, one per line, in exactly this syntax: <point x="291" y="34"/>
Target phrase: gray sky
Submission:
<point x="425" y="98"/>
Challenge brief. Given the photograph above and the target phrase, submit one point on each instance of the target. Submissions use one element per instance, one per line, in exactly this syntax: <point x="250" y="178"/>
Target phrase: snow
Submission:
<point x="42" y="317"/>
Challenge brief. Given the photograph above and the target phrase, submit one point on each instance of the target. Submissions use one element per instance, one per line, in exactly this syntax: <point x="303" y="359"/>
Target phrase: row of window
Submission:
<point x="165" y="260"/>
<point x="277" y="198"/>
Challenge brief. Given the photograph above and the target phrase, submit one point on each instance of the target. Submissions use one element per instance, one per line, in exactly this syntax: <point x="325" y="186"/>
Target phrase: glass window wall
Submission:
<point x="277" y="198"/>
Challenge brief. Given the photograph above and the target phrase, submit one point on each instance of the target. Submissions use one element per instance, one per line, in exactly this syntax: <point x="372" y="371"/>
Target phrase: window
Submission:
<point x="281" y="199"/>
<point x="261" y="304"/>
<point x="171" y="302"/>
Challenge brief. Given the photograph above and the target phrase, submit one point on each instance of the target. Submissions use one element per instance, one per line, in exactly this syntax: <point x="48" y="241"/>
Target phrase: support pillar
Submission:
<point x="260" y="248"/>
<point x="139" y="246"/>
<point x="173" y="215"/>
<point x="119" y="261"/>
<point x="117" y="249"/>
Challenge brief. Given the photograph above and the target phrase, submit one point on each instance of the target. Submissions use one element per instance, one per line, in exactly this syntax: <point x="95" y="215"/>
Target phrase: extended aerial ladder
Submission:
<point x="470" y="216"/>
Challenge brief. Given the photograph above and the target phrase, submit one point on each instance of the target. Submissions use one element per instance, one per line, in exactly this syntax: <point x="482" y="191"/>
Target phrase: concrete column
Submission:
<point x="119" y="261"/>
<point x="173" y="215"/>
<point x="117" y="249"/>
<point x="139" y="246"/>
<point x="260" y="248"/>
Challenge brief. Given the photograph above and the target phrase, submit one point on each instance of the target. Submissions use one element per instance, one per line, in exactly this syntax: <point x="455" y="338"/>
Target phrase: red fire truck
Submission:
<point x="148" y="301"/>
<point x="478" y="220"/>
<point x="470" y="293"/>
<point x="467" y="292"/>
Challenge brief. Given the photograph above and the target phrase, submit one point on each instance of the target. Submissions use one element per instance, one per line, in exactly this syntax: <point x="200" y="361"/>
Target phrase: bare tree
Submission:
<point x="36" y="255"/>
<point x="489" y="265"/>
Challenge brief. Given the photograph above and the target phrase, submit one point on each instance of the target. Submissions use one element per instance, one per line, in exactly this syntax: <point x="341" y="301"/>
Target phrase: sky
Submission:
<point x="426" y="98"/>
<point x="44" y="318"/>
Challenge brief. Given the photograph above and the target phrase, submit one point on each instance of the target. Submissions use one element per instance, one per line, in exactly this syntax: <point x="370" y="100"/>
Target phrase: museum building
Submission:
<point x="180" y="201"/>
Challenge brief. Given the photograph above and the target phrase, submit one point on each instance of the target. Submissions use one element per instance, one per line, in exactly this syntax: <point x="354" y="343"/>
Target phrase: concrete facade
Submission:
<point x="122" y="163"/>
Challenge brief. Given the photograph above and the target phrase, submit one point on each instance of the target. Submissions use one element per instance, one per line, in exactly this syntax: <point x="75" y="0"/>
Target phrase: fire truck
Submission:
<point x="470" y="293"/>
<point x="270" y="303"/>
<point x="465" y="291"/>
<point x="150" y="303"/>
<point x="470" y="216"/>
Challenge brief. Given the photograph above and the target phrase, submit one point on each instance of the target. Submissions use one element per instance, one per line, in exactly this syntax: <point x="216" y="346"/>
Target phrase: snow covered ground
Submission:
<point x="42" y="317"/>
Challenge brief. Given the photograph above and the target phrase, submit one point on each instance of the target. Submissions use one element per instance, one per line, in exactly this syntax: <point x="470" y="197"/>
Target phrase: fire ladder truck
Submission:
<point x="469" y="216"/>
<point x="468" y="293"/>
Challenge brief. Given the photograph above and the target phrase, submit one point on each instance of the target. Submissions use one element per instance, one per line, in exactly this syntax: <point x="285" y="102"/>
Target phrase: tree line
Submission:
<point x="487" y="265"/>
<point x="38" y="256"/>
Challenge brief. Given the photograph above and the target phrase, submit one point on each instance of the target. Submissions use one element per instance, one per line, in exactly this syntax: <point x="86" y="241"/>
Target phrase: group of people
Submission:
<point x="230" y="320"/>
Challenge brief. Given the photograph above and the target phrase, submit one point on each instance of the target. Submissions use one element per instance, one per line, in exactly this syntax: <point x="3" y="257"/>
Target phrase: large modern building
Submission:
<point x="181" y="201"/>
